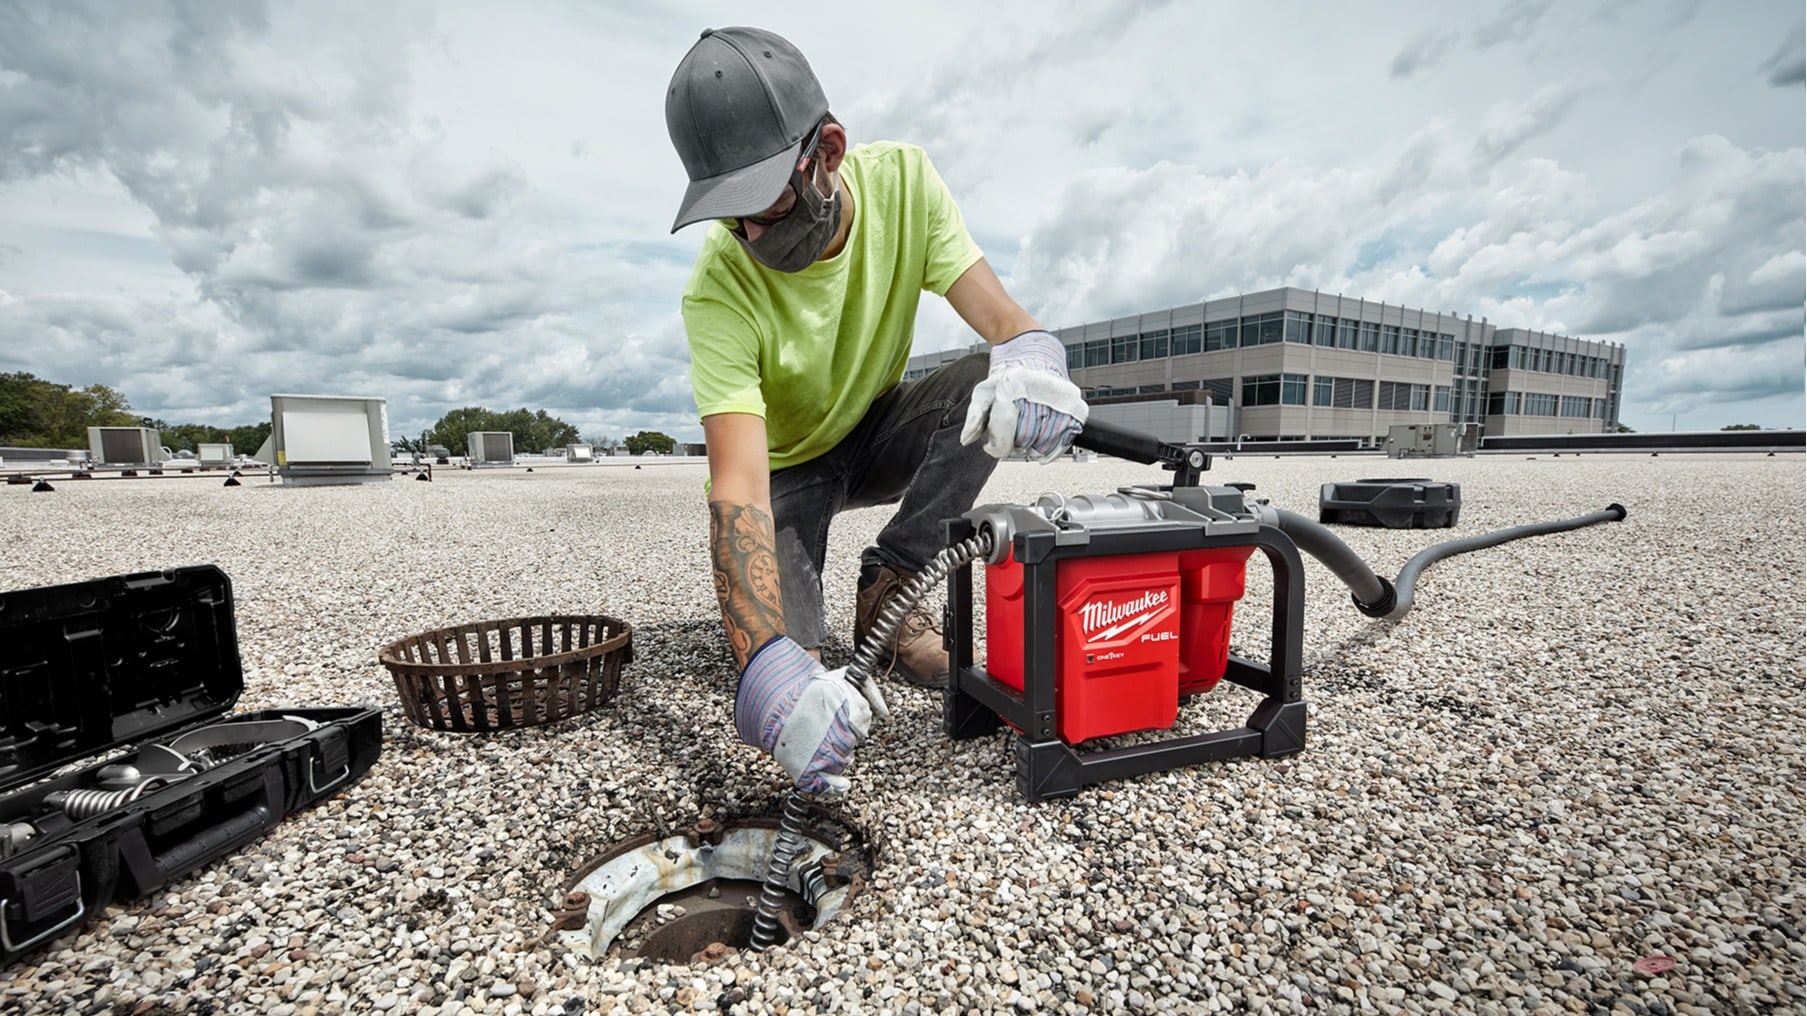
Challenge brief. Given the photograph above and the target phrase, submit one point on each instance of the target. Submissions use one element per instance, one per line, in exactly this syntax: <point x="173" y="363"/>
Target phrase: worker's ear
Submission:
<point x="832" y="148"/>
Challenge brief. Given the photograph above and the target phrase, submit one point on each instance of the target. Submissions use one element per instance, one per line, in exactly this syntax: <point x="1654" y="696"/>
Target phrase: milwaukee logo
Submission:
<point x="1103" y="619"/>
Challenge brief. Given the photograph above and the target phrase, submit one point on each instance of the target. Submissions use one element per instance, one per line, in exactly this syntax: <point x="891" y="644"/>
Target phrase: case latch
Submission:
<point x="41" y="895"/>
<point x="332" y="763"/>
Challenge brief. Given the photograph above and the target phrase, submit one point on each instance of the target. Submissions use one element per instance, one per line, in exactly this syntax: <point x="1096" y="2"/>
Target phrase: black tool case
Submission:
<point x="119" y="766"/>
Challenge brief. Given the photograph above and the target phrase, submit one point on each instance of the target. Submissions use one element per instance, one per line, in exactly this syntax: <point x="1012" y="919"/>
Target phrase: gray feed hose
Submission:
<point x="1375" y="596"/>
<point x="1371" y="592"/>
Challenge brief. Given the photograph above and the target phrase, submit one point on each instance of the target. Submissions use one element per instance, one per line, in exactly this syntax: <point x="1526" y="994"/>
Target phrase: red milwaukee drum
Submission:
<point x="1134" y="632"/>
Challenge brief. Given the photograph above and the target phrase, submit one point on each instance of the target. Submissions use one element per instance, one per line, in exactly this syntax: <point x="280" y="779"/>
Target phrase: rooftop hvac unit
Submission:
<point x="1410" y="440"/>
<point x="320" y="439"/>
<point x="578" y="453"/>
<point x="213" y="454"/>
<point x="491" y="448"/>
<point x="125" y="446"/>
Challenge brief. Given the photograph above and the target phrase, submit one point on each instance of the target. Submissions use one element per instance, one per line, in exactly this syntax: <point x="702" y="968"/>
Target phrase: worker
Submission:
<point x="799" y="312"/>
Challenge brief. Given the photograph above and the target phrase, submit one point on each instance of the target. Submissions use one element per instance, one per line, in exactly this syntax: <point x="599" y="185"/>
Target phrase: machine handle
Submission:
<point x="1122" y="442"/>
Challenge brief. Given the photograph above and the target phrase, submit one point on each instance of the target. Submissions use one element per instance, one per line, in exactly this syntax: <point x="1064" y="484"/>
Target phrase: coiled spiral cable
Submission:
<point x="777" y="875"/>
<point x="87" y="802"/>
<point x="789" y="845"/>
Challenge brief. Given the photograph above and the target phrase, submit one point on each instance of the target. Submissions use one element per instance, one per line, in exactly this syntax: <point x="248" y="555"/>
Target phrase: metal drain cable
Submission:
<point x="789" y="844"/>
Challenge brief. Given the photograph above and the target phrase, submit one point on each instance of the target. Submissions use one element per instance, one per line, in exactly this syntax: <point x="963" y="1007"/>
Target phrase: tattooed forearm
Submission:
<point x="743" y="545"/>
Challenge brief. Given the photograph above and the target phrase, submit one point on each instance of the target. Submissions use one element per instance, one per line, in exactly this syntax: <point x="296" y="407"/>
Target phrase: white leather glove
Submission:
<point x="807" y="717"/>
<point x="1026" y="403"/>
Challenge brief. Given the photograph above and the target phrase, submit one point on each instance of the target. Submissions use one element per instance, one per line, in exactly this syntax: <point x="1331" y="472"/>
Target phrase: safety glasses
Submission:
<point x="787" y="201"/>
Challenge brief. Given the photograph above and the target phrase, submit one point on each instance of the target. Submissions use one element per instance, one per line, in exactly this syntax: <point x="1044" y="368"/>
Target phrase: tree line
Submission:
<point x="35" y="413"/>
<point x="534" y="431"/>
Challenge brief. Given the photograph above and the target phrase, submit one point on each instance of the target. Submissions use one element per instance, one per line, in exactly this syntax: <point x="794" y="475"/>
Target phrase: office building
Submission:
<point x="1294" y="364"/>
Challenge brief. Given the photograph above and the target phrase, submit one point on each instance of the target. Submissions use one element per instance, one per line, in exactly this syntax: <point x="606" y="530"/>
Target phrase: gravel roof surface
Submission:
<point x="1578" y="753"/>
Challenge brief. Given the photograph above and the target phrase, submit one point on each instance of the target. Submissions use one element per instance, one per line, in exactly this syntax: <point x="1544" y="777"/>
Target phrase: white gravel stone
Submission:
<point x="1577" y="751"/>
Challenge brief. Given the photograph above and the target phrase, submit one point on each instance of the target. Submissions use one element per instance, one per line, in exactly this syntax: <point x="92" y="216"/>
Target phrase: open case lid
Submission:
<point x="92" y="666"/>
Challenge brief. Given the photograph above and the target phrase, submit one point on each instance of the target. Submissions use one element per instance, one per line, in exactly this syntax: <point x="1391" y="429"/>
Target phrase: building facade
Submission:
<point x="1294" y="364"/>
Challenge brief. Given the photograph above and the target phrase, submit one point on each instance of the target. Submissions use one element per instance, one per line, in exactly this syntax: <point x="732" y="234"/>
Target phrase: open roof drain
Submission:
<point x="691" y="897"/>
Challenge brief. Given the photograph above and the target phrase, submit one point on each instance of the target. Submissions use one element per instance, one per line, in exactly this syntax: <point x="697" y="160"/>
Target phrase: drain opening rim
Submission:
<point x="643" y="870"/>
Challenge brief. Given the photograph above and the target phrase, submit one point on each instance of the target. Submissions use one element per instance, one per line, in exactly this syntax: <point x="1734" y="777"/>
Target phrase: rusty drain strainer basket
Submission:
<point x="519" y="672"/>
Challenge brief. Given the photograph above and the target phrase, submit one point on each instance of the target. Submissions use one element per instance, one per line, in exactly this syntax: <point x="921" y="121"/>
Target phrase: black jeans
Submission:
<point x="905" y="451"/>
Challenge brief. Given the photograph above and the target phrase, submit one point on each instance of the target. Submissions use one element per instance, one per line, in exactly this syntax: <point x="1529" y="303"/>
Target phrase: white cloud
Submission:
<point x="451" y="205"/>
<point x="1707" y="265"/>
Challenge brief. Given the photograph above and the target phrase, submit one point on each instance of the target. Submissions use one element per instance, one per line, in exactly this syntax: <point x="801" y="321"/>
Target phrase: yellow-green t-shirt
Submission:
<point x="810" y="351"/>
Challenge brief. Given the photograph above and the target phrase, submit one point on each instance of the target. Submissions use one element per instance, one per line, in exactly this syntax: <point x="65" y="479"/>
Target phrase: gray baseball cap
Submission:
<point x="738" y="110"/>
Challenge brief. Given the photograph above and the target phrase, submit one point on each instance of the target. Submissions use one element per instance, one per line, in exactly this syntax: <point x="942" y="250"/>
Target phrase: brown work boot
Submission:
<point x="916" y="651"/>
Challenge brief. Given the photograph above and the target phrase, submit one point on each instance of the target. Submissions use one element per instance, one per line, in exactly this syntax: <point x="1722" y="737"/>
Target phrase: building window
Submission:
<point x="1298" y="327"/>
<point x="1097" y="352"/>
<point x="1345" y="333"/>
<point x="1185" y="340"/>
<point x="1389" y="339"/>
<point x="1539" y="404"/>
<point x="1441" y="403"/>
<point x="1220" y="335"/>
<point x="1123" y="349"/>
<point x="1222" y="389"/>
<point x="1075" y="357"/>
<point x="1150" y="389"/>
<point x="1446" y="348"/>
<point x="1324" y="332"/>
<point x="1261" y="329"/>
<point x="1185" y="386"/>
<point x="1154" y="345"/>
<point x="1577" y="406"/>
<point x="1342" y="392"/>
<point x="1398" y="395"/>
<point x="1370" y="336"/>
<point x="1274" y="390"/>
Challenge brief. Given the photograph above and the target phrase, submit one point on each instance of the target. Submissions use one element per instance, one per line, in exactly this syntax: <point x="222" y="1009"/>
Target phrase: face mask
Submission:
<point x="799" y="240"/>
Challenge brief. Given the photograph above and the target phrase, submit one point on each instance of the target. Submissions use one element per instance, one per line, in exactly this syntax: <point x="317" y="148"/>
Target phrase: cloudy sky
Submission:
<point x="468" y="203"/>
